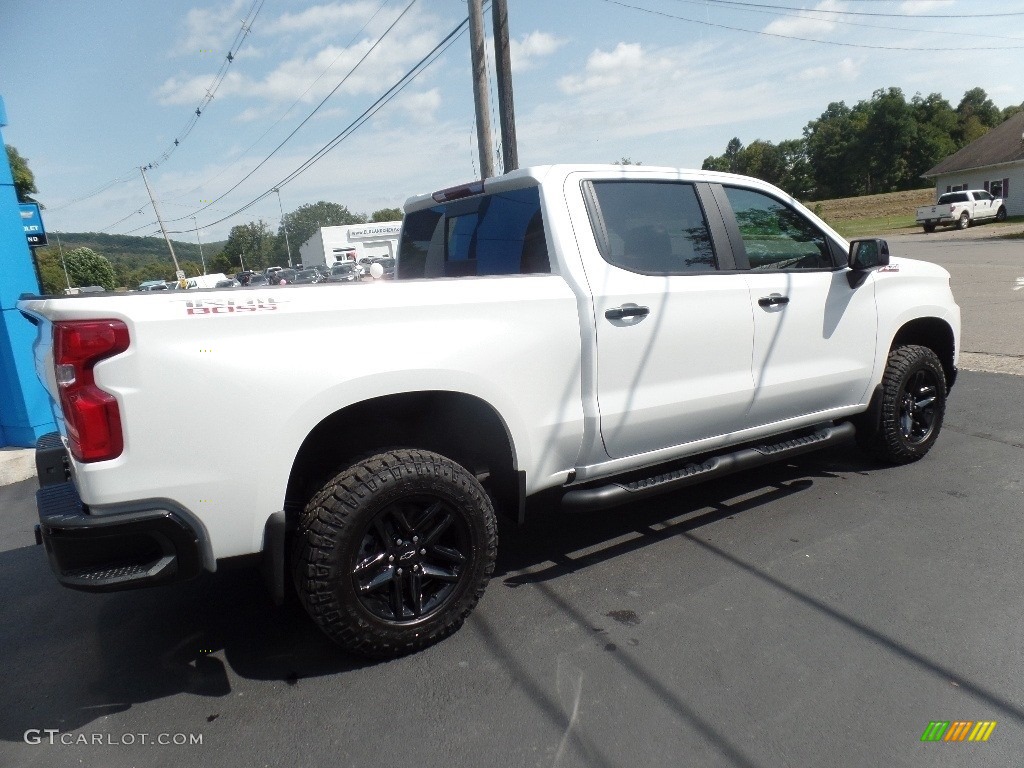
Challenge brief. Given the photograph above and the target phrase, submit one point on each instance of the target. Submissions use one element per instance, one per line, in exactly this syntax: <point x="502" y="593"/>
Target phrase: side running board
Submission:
<point x="615" y="493"/>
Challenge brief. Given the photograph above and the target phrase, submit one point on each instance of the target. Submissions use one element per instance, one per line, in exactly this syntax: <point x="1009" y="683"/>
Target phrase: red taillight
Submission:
<point x="92" y="416"/>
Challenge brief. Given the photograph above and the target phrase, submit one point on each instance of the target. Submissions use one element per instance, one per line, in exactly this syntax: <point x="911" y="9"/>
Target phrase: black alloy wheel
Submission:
<point x="394" y="552"/>
<point x="411" y="560"/>
<point x="918" y="406"/>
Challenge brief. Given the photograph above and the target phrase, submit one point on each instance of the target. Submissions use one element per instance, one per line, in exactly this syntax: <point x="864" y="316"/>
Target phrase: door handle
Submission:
<point x="620" y="313"/>
<point x="773" y="300"/>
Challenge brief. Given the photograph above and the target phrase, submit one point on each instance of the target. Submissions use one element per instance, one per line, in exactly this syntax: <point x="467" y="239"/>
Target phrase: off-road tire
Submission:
<point x="392" y="554"/>
<point x="912" y="408"/>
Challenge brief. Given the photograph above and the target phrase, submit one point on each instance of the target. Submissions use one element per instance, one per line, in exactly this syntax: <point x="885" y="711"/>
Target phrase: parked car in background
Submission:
<point x="307" y="276"/>
<point x="258" y="279"/>
<point x="282" y="277"/>
<point x="152" y="285"/>
<point x="228" y="282"/>
<point x="244" y="276"/>
<point x="270" y="272"/>
<point x="344" y="272"/>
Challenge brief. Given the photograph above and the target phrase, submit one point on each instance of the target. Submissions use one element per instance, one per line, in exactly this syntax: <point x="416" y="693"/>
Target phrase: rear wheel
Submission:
<point x="913" y="406"/>
<point x="393" y="553"/>
<point x="929" y="227"/>
<point x="964" y="221"/>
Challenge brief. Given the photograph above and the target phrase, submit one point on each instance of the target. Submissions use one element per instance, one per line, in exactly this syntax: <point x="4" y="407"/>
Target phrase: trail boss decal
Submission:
<point x="227" y="307"/>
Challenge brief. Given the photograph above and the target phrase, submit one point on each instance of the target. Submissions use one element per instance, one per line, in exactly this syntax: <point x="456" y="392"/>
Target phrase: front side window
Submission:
<point x="651" y="227"/>
<point x="497" y="234"/>
<point x="775" y="236"/>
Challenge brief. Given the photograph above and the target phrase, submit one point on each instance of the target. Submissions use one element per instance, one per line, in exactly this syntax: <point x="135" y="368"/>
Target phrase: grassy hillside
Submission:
<point x="873" y="214"/>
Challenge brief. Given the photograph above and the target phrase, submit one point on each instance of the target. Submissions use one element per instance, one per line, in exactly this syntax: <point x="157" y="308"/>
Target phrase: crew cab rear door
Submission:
<point x="814" y="334"/>
<point x="674" y="330"/>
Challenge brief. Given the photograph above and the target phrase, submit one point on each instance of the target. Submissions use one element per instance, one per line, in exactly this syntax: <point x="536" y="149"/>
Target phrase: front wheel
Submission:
<point x="913" y="406"/>
<point x="393" y="554"/>
<point x="964" y="221"/>
<point x="1001" y="214"/>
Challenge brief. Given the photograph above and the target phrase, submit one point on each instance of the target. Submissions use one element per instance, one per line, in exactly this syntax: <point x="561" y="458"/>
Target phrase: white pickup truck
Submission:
<point x="601" y="332"/>
<point x="961" y="209"/>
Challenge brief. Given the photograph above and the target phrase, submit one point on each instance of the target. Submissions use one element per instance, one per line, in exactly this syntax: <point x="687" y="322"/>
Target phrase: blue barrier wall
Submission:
<point x="24" y="406"/>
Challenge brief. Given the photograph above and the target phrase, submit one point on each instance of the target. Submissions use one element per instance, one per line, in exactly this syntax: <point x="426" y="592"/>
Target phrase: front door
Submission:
<point x="814" y="334"/>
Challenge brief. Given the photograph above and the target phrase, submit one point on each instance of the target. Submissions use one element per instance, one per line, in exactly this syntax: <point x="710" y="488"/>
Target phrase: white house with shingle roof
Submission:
<point x="994" y="162"/>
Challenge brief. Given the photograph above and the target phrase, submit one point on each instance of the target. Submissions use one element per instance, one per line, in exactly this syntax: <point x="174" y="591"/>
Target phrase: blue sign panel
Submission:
<point x="32" y="221"/>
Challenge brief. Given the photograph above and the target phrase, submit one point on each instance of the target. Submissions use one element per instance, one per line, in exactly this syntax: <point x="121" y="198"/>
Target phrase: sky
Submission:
<point x="96" y="90"/>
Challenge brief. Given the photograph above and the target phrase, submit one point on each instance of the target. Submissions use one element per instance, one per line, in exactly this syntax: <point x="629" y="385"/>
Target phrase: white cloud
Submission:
<point x="192" y="90"/>
<point x="320" y="17"/>
<point x="421" y="106"/>
<point x="535" y="45"/>
<point x="806" y="24"/>
<point x="924" y="6"/>
<point x="211" y="28"/>
<point x="846" y="70"/>
<point x="626" y="64"/>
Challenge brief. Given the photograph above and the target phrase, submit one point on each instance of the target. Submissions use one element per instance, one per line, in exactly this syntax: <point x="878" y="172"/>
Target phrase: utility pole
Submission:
<point x="284" y="225"/>
<point x="503" y="74"/>
<point x="480" y="100"/>
<point x="62" y="262"/>
<point x="177" y="269"/>
<point x="200" y="244"/>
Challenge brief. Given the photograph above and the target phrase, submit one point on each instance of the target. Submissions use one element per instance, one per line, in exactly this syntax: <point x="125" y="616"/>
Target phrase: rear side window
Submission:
<point x="498" y="234"/>
<point x="651" y="227"/>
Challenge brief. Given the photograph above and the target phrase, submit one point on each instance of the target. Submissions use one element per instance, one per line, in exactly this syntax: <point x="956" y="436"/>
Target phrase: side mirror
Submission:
<point x="868" y="253"/>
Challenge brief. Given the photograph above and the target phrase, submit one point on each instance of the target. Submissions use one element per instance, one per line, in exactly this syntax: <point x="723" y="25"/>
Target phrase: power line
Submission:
<point x="369" y="112"/>
<point x="740" y="3"/>
<point x="806" y="39"/>
<point x="305" y="120"/>
<point x="273" y="125"/>
<point x="211" y="91"/>
<point x="801" y="15"/>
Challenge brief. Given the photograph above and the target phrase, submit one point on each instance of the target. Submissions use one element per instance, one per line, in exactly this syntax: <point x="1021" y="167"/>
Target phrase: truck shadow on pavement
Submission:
<point x="72" y="658"/>
<point x="550" y="535"/>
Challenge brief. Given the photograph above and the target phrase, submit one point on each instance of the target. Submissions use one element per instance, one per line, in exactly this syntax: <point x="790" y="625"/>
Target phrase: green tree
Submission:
<point x="86" y="267"/>
<point x="51" y="273"/>
<point x="24" y="180"/>
<point x="252" y="244"/>
<point x="888" y="141"/>
<point x="306" y="220"/>
<point x="386" y="214"/>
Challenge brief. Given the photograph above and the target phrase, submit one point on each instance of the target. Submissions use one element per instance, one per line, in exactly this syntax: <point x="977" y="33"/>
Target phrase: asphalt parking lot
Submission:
<point x="818" y="612"/>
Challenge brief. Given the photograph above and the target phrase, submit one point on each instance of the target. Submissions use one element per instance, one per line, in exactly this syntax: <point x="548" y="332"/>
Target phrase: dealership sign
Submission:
<point x="32" y="221"/>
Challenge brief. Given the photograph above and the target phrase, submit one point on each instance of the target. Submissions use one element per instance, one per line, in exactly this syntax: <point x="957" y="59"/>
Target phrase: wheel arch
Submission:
<point x="937" y="335"/>
<point x="462" y="427"/>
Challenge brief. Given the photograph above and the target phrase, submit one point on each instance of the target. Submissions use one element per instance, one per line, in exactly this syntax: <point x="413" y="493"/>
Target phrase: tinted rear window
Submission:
<point x="499" y="234"/>
<point x="953" y="197"/>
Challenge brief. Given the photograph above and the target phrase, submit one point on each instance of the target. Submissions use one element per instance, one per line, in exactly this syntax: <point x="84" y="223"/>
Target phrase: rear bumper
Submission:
<point x="145" y="546"/>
